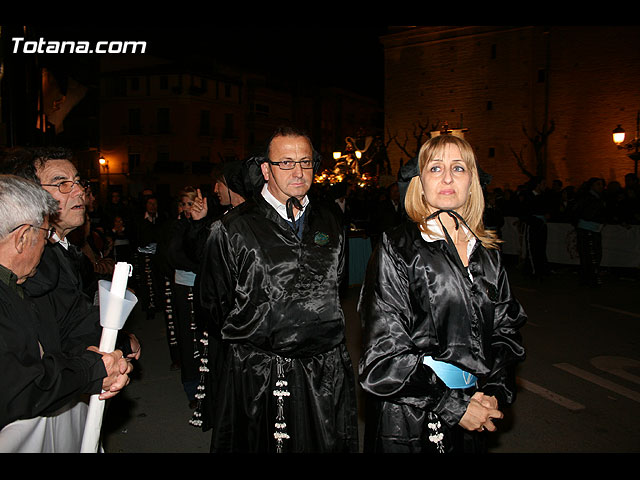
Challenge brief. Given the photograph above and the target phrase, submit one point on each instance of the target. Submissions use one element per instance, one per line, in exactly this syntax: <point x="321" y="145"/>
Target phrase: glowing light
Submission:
<point x="618" y="135"/>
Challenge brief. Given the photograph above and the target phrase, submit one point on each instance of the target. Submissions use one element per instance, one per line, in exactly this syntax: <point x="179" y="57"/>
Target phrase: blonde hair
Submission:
<point x="189" y="192"/>
<point x="473" y="209"/>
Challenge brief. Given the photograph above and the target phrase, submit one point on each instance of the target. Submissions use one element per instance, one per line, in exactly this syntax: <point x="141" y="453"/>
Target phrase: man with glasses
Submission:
<point x="52" y="169"/>
<point x="41" y="373"/>
<point x="57" y="285"/>
<point x="270" y="278"/>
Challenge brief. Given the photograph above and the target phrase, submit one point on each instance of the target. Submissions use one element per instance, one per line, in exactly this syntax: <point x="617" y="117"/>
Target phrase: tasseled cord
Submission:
<point x="457" y="219"/>
<point x="291" y="203"/>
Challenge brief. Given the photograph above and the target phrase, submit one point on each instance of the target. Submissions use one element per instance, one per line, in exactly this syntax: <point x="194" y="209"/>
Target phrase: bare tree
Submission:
<point x="420" y="131"/>
<point x="539" y="142"/>
<point x="521" y="163"/>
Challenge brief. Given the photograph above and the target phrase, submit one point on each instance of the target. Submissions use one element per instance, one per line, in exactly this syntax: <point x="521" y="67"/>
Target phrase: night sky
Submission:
<point x="329" y="56"/>
<point x="336" y="56"/>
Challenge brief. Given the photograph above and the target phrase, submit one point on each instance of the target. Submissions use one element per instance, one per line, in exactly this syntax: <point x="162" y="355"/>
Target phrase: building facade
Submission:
<point x="511" y="88"/>
<point x="165" y="126"/>
<point x="162" y="123"/>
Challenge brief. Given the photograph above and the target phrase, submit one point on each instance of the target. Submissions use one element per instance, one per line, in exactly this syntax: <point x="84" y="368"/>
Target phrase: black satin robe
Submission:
<point x="273" y="296"/>
<point x="417" y="300"/>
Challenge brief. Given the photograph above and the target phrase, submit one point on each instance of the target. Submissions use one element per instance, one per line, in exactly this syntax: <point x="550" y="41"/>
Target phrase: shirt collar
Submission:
<point x="438" y="234"/>
<point x="61" y="241"/>
<point x="280" y="207"/>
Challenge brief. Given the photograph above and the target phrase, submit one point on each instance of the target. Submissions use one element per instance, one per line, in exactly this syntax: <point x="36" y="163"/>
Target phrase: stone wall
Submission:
<point x="494" y="81"/>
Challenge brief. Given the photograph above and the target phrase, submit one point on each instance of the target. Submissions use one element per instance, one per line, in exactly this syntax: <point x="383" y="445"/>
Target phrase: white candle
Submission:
<point x="113" y="314"/>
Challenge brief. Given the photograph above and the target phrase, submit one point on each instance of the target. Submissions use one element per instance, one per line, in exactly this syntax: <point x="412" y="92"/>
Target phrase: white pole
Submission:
<point x="114" y="310"/>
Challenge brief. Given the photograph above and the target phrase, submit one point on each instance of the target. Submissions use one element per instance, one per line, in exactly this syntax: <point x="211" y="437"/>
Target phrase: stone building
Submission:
<point x="507" y="85"/>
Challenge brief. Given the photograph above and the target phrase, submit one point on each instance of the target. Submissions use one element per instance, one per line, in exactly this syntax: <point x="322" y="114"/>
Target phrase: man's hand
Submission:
<point x="118" y="370"/>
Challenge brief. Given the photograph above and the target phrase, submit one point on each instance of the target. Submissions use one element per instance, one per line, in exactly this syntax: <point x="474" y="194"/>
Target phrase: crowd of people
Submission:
<point x="125" y="228"/>
<point x="588" y="207"/>
<point x="248" y="279"/>
<point x="163" y="238"/>
<point x="564" y="204"/>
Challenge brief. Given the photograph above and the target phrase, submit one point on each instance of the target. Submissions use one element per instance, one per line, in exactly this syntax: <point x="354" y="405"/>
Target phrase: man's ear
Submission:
<point x="264" y="166"/>
<point x="20" y="239"/>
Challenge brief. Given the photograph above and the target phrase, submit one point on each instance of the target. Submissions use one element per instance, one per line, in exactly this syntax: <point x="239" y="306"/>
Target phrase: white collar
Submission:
<point x="279" y="206"/>
<point x="62" y="241"/>
<point x="438" y="234"/>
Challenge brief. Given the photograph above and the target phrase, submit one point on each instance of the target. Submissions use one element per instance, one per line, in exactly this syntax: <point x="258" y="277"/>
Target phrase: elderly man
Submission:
<point x="42" y="371"/>
<point x="270" y="280"/>
<point x="57" y="285"/>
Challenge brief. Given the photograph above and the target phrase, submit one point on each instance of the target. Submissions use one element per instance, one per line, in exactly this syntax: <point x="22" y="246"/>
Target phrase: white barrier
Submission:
<point x="620" y="245"/>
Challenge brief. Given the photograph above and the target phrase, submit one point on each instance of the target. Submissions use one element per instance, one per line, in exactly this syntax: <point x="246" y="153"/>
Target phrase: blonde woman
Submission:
<point x="183" y="305"/>
<point x="441" y="336"/>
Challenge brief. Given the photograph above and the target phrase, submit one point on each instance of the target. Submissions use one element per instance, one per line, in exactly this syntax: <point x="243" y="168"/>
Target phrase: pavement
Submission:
<point x="152" y="414"/>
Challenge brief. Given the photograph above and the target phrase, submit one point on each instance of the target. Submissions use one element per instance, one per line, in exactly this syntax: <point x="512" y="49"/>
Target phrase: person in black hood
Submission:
<point x="230" y="185"/>
<point x="231" y="190"/>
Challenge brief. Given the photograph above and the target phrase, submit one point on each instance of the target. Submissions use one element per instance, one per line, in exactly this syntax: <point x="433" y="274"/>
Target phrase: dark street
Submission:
<point x="579" y="387"/>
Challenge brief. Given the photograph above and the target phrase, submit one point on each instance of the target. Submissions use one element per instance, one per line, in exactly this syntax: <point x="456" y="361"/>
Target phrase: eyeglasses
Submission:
<point x="67" y="185"/>
<point x="50" y="231"/>
<point x="290" y="164"/>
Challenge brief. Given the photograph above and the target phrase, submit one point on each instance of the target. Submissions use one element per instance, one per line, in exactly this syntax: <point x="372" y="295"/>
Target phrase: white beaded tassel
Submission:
<point x="280" y="392"/>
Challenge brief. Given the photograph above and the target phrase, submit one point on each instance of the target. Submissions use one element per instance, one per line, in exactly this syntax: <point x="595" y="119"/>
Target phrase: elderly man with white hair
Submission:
<point x="41" y="378"/>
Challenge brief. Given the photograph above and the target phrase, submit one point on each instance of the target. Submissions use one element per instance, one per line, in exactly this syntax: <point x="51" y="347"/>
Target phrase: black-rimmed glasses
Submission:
<point x="290" y="164"/>
<point x="67" y="185"/>
<point x="50" y="231"/>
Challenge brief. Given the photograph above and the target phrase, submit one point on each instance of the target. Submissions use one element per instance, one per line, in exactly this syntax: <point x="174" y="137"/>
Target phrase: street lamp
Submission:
<point x="633" y="146"/>
<point x="104" y="163"/>
<point x="618" y="135"/>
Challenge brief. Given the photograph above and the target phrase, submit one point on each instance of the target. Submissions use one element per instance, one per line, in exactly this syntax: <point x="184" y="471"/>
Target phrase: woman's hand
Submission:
<point x="482" y="409"/>
<point x="199" y="208"/>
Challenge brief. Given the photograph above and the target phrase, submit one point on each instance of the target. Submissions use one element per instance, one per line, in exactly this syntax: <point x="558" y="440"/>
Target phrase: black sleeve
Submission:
<point x="34" y="383"/>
